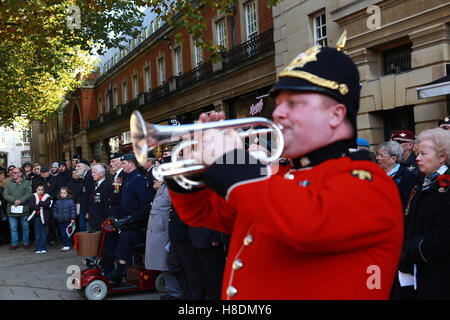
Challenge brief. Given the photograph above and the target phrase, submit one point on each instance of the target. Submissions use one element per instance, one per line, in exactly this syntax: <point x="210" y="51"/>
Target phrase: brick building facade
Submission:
<point x="165" y="79"/>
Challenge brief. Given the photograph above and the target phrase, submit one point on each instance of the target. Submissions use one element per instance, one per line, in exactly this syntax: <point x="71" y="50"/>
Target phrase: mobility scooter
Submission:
<point x="95" y="285"/>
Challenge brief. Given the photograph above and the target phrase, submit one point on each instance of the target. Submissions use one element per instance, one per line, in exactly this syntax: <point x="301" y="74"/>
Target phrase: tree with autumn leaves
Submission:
<point x="46" y="46"/>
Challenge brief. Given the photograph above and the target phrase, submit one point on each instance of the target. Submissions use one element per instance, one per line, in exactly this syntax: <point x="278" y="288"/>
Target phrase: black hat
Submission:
<point x="323" y="70"/>
<point x="84" y="161"/>
<point x="129" y="157"/>
<point x="115" y="155"/>
<point x="27" y="163"/>
<point x="444" y="120"/>
<point x="45" y="169"/>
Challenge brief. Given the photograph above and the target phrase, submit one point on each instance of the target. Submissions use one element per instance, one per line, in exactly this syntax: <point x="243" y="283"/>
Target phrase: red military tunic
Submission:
<point x="330" y="231"/>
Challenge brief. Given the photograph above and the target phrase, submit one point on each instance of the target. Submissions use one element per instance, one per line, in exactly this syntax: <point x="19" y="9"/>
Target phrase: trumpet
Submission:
<point x="146" y="136"/>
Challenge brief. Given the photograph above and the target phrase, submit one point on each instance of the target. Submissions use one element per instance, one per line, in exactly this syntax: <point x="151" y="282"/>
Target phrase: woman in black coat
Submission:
<point x="426" y="249"/>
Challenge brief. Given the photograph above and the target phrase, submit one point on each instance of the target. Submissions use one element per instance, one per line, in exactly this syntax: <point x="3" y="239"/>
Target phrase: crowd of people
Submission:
<point x="48" y="205"/>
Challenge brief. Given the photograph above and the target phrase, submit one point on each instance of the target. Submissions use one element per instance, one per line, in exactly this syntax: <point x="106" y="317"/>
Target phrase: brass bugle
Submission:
<point x="146" y="136"/>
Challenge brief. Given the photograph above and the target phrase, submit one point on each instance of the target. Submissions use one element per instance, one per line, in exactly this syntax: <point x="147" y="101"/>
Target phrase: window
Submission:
<point x="25" y="136"/>
<point x="141" y="37"/>
<point x="320" y="30"/>
<point x="162" y="70"/>
<point x="153" y="26"/>
<point x="134" y="43"/>
<point x="25" y="154"/>
<point x="124" y="92"/>
<point x="198" y="53"/>
<point x="115" y="58"/>
<point x="158" y="23"/>
<point x="178" y="61"/>
<point x="397" y="60"/>
<point x="3" y="137"/>
<point x="250" y="19"/>
<point x="100" y="106"/>
<point x="130" y="46"/>
<point x="121" y="54"/>
<point x="221" y="33"/>
<point x="135" y="86"/>
<point x="116" y="96"/>
<point x="147" y="78"/>
<point x="146" y="32"/>
<point x="108" y="101"/>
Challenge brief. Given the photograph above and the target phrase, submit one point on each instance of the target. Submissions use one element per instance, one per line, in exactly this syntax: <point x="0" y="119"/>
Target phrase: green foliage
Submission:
<point x="45" y="44"/>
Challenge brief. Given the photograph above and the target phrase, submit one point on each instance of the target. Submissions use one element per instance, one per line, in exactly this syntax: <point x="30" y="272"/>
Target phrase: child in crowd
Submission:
<point x="65" y="213"/>
<point x="40" y="203"/>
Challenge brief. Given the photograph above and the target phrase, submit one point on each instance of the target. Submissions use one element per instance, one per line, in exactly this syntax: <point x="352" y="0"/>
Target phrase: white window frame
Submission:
<point x="116" y="96"/>
<point x="147" y="75"/>
<point x="108" y="101"/>
<point x="221" y="29"/>
<point x="251" y="19"/>
<point x="135" y="86"/>
<point x="100" y="106"/>
<point x="124" y="91"/>
<point x="319" y="28"/>
<point x="162" y="70"/>
<point x="178" y="61"/>
<point x="198" y="54"/>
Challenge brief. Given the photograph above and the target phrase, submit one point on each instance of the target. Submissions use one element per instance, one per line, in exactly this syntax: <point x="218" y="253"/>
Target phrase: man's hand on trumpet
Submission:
<point x="214" y="143"/>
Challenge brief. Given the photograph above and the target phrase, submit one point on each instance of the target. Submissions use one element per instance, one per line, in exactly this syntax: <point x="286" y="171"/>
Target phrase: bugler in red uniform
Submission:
<point x="293" y="237"/>
<point x="330" y="226"/>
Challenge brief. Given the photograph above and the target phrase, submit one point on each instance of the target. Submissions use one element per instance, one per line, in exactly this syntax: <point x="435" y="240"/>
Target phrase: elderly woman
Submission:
<point x="389" y="157"/>
<point x="426" y="249"/>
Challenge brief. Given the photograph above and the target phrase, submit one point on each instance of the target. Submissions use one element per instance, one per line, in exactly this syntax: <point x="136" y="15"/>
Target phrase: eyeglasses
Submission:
<point x="15" y="172"/>
<point x="382" y="156"/>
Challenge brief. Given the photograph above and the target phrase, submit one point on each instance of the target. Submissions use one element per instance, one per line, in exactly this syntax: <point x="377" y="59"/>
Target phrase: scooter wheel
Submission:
<point x="160" y="284"/>
<point x="96" y="290"/>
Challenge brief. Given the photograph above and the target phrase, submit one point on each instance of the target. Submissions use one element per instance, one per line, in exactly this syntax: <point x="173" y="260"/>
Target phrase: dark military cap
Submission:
<point x="445" y="121"/>
<point x="45" y="169"/>
<point x="84" y="161"/>
<point x="129" y="157"/>
<point x="115" y="155"/>
<point x="323" y="70"/>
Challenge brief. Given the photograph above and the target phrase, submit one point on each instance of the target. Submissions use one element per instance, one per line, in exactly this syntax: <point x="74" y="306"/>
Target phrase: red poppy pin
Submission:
<point x="443" y="180"/>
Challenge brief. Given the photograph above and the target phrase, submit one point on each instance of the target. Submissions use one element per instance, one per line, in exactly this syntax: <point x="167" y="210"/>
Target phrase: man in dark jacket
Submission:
<point x="87" y="185"/>
<point x="98" y="206"/>
<point x="135" y="207"/>
<point x="407" y="140"/>
<point x="117" y="184"/>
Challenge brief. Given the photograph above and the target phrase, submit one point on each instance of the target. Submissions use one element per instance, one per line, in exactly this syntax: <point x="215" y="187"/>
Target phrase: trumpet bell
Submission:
<point x="139" y="133"/>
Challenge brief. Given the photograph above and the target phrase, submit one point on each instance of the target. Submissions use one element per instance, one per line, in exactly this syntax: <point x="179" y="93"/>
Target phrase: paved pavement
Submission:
<point x="25" y="275"/>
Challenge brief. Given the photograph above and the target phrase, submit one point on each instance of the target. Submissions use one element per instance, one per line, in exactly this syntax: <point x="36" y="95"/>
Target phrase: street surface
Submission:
<point x="25" y="275"/>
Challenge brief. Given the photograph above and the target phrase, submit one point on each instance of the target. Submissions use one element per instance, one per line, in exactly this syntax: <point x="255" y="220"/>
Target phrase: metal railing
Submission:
<point x="199" y="73"/>
<point x="248" y="50"/>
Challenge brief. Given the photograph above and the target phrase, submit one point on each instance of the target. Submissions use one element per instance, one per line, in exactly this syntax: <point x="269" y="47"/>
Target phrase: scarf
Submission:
<point x="41" y="210"/>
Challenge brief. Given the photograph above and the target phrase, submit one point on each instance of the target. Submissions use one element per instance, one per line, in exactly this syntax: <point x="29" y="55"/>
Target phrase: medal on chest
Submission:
<point x="117" y="184"/>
